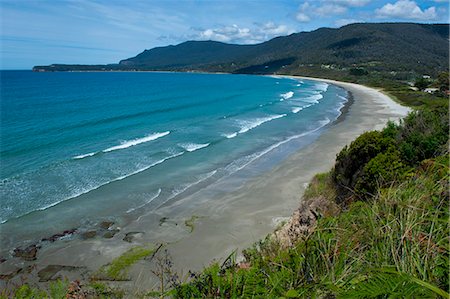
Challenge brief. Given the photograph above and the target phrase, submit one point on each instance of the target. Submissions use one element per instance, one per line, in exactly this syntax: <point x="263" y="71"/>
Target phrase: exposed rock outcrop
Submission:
<point x="29" y="253"/>
<point x="303" y="220"/>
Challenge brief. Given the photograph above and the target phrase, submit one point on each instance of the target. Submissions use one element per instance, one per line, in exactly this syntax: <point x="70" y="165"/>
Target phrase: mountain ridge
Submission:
<point x="399" y="47"/>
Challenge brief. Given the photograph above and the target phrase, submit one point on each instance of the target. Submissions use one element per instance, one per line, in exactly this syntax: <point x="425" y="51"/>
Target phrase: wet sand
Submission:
<point x="231" y="222"/>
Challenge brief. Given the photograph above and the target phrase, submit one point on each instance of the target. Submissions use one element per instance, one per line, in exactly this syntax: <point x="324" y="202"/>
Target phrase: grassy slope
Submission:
<point x="395" y="244"/>
<point x="391" y="242"/>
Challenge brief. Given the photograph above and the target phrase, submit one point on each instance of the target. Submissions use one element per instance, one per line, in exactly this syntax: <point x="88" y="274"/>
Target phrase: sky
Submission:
<point x="42" y="32"/>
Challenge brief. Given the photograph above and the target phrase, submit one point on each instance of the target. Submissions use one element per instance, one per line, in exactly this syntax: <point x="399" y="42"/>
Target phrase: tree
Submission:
<point x="422" y="83"/>
<point x="443" y="81"/>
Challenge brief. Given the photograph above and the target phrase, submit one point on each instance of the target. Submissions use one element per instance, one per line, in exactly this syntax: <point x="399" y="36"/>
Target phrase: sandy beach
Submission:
<point x="223" y="224"/>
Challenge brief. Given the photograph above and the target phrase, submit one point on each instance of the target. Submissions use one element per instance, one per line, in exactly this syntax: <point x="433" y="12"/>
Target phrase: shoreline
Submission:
<point x="218" y="228"/>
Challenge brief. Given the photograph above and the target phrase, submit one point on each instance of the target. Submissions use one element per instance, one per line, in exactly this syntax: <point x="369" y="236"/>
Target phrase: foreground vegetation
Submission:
<point x="383" y="231"/>
<point x="391" y="238"/>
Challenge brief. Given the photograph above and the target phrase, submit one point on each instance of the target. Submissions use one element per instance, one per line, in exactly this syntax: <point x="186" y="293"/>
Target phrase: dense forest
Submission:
<point x="398" y="49"/>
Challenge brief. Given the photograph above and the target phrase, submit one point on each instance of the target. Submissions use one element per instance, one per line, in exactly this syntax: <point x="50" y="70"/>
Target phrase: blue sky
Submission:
<point x="41" y="32"/>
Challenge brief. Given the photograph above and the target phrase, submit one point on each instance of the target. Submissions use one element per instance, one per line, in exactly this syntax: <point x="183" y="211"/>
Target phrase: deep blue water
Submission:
<point x="156" y="135"/>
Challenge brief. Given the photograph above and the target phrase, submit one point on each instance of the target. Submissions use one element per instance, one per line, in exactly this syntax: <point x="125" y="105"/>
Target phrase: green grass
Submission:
<point x="393" y="245"/>
<point x="56" y="290"/>
<point x="321" y="185"/>
<point x="103" y="291"/>
<point x="118" y="268"/>
<point x="391" y="242"/>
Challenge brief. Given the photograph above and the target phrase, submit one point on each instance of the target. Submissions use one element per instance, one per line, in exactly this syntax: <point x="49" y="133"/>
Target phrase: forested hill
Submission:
<point x="393" y="47"/>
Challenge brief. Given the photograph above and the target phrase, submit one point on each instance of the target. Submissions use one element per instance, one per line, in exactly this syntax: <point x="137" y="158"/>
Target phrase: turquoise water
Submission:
<point x="124" y="142"/>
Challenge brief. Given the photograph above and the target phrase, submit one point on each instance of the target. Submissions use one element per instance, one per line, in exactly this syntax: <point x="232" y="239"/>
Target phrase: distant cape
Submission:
<point x="360" y="47"/>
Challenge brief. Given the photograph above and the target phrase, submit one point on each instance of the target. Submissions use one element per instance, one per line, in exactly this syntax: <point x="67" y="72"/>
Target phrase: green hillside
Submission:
<point x="380" y="47"/>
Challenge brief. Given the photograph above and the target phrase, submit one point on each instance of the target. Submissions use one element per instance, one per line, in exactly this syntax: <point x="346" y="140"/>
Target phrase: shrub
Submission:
<point x="381" y="171"/>
<point x="423" y="135"/>
<point x="350" y="162"/>
<point x="376" y="159"/>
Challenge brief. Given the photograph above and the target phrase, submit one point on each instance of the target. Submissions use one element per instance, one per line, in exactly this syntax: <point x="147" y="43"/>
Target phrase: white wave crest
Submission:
<point x="243" y="162"/>
<point x="343" y="98"/>
<point x="84" y="156"/>
<point x="287" y="95"/>
<point x="324" y="122"/>
<point x="146" y="202"/>
<point x="231" y="135"/>
<point x="296" y="109"/>
<point x="314" y="98"/>
<point x="190" y="147"/>
<point x="322" y="86"/>
<point x="247" y="125"/>
<point x="147" y="167"/>
<point x="129" y="143"/>
<point x="200" y="179"/>
<point x="185" y="187"/>
<point x="114" y="180"/>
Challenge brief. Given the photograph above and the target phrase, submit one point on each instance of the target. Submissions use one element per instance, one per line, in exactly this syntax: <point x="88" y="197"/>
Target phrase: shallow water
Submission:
<point x="77" y="147"/>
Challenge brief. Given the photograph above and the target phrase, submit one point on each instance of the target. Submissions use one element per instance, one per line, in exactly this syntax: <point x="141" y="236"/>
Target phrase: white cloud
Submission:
<point x="406" y="9"/>
<point x="302" y="17"/>
<point x="350" y="2"/>
<point x="236" y="34"/>
<point x="324" y="9"/>
<point x="343" y="22"/>
<point x="330" y="9"/>
<point x="271" y="28"/>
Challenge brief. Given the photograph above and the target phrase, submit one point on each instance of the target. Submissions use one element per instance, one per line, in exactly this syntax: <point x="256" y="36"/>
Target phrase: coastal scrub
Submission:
<point x="391" y="241"/>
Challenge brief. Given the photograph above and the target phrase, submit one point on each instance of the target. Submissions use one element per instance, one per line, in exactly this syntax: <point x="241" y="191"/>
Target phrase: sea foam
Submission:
<point x="247" y="125"/>
<point x="245" y="161"/>
<point x="287" y="95"/>
<point x="177" y="191"/>
<point x="129" y="143"/>
<point x="84" y="156"/>
<point x="322" y="86"/>
<point x="152" y="198"/>
<point x="314" y="98"/>
<point x="231" y="135"/>
<point x="73" y="195"/>
<point x="191" y="147"/>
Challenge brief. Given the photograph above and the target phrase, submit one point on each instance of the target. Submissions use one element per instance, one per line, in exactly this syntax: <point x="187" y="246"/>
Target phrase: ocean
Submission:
<point x="79" y="146"/>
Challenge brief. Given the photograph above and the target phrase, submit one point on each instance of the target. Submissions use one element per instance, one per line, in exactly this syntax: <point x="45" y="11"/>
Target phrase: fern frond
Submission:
<point x="388" y="283"/>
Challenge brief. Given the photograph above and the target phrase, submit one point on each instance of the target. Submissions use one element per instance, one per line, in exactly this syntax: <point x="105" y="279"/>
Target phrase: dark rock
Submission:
<point x="58" y="236"/>
<point x="106" y="224"/>
<point x="110" y="233"/>
<point x="131" y="235"/>
<point x="2" y="260"/>
<point x="162" y="220"/>
<point x="30" y="268"/>
<point x="50" y="271"/>
<point x="11" y="274"/>
<point x="28" y="254"/>
<point x="89" y="234"/>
